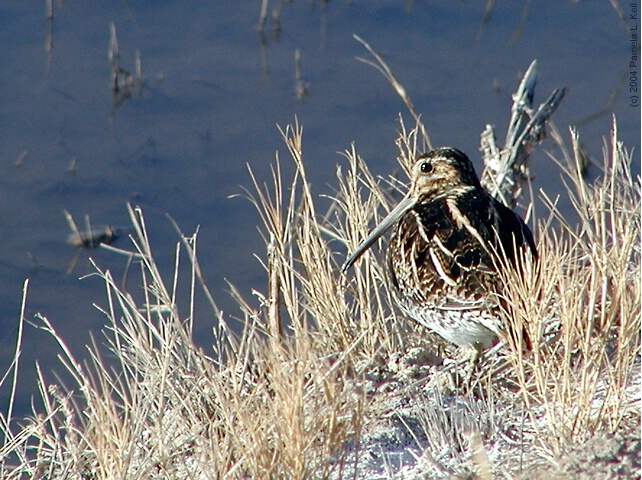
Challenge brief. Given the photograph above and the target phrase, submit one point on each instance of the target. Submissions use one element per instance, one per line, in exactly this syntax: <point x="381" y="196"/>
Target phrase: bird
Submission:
<point x="449" y="237"/>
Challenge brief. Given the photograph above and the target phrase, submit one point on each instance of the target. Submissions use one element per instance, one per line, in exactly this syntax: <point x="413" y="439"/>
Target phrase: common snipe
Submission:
<point x="448" y="236"/>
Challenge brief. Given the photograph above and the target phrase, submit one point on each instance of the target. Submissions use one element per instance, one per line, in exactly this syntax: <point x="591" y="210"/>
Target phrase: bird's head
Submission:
<point x="440" y="171"/>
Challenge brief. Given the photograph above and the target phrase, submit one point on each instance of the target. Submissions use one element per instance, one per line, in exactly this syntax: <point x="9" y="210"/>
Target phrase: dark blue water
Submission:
<point x="214" y="92"/>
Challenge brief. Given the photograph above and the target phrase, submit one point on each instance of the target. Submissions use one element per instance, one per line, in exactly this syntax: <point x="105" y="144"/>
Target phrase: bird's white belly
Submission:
<point x="464" y="328"/>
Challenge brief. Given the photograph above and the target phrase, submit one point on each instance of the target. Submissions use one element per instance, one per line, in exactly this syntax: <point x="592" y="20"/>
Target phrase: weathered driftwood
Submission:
<point x="506" y="170"/>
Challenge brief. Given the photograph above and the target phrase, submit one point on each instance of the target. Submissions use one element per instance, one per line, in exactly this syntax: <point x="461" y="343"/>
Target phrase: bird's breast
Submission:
<point x="436" y="251"/>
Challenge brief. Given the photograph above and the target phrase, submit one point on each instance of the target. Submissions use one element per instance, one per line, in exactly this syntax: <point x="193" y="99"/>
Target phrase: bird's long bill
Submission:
<point x="404" y="205"/>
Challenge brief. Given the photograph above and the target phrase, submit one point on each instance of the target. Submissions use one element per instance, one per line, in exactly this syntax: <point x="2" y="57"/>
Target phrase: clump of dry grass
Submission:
<point x="261" y="406"/>
<point x="581" y="303"/>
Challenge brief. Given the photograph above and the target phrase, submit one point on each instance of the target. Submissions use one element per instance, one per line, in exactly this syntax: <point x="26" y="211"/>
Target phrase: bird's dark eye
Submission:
<point x="426" y="167"/>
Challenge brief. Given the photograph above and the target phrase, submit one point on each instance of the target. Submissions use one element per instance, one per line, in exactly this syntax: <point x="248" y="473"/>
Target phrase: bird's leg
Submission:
<point x="475" y="355"/>
<point x="460" y="371"/>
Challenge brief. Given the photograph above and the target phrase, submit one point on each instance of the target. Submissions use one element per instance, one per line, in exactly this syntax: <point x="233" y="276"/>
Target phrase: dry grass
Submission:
<point x="166" y="410"/>
<point x="582" y="303"/>
<point x="323" y="367"/>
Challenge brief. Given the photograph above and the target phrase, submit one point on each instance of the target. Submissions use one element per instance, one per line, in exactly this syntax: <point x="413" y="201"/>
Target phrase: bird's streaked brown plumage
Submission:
<point x="442" y="256"/>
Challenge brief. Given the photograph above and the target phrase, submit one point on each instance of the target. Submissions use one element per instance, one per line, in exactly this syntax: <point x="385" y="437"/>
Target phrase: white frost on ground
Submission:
<point x="414" y="431"/>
